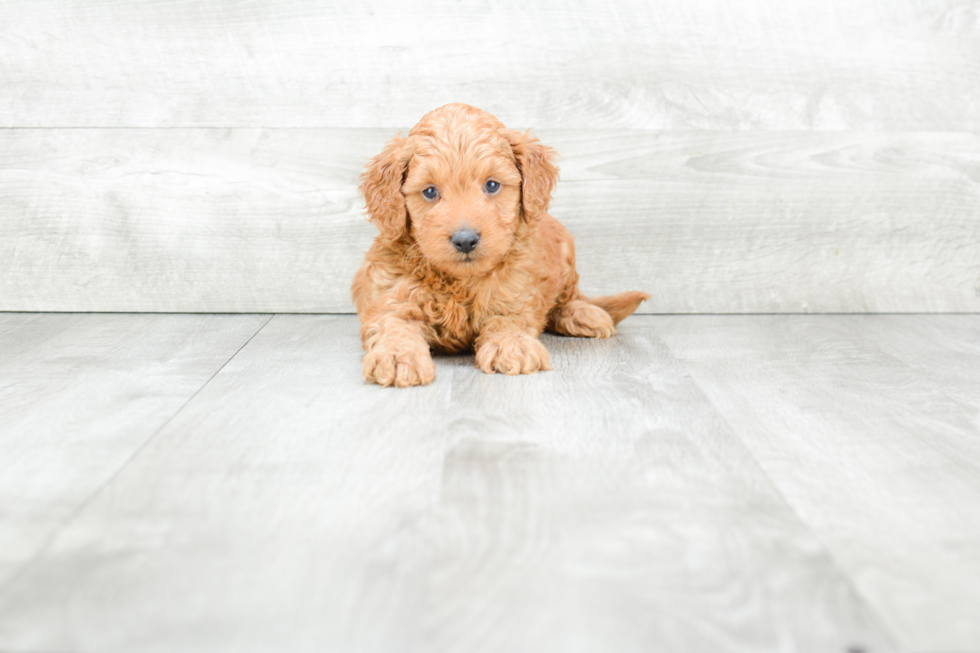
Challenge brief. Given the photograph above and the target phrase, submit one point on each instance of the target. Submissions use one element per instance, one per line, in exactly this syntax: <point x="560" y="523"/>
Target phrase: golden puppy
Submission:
<point x="468" y="255"/>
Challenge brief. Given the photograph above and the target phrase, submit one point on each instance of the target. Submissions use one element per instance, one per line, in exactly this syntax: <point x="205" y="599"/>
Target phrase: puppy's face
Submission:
<point x="464" y="201"/>
<point x="460" y="186"/>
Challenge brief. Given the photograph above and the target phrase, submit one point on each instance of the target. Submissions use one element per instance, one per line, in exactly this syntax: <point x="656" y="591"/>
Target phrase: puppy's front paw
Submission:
<point x="512" y="353"/>
<point x="402" y="366"/>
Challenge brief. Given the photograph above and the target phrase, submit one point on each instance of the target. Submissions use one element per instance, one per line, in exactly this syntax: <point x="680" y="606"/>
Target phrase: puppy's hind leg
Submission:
<point x="581" y="319"/>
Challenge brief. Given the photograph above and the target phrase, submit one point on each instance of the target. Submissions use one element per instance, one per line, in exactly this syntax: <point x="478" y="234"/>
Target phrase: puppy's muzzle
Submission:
<point x="465" y="240"/>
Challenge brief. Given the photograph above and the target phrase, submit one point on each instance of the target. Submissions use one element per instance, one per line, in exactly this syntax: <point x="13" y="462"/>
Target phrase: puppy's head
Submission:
<point x="460" y="186"/>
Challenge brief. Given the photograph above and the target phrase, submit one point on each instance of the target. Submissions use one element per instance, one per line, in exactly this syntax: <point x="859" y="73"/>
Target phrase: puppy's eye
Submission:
<point x="492" y="186"/>
<point x="430" y="193"/>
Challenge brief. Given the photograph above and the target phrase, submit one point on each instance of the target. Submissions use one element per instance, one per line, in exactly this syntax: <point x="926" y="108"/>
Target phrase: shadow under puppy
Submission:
<point x="468" y="256"/>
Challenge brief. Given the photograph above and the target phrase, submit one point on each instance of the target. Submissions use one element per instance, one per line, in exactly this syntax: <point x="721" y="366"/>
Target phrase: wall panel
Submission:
<point x="261" y="220"/>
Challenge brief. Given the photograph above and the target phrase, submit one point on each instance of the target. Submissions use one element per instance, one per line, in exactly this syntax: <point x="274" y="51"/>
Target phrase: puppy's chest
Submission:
<point x="455" y="320"/>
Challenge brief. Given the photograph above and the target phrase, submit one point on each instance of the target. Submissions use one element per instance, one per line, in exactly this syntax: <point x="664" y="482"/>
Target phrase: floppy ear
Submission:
<point x="539" y="174"/>
<point x="381" y="186"/>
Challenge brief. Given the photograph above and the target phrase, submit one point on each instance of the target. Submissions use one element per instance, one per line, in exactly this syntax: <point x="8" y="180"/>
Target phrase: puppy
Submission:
<point x="468" y="256"/>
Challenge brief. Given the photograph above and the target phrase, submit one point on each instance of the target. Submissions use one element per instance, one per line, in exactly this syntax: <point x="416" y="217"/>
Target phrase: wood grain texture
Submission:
<point x="602" y="506"/>
<point x="281" y="512"/>
<point x="674" y="64"/>
<point x="268" y="220"/>
<point x="605" y="506"/>
<point x="879" y="456"/>
<point x="943" y="348"/>
<point x="79" y="395"/>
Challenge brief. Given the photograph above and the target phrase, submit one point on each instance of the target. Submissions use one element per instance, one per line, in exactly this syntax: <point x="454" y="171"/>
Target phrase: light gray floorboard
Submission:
<point x="79" y="395"/>
<point x="870" y="426"/>
<point x="606" y="506"/>
<point x="279" y="511"/>
<point x="602" y="506"/>
<point x="671" y="64"/>
<point x="263" y="220"/>
<point x="942" y="349"/>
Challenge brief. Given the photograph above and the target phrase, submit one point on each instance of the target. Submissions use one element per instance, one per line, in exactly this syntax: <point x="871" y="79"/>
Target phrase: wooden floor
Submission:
<point x="227" y="483"/>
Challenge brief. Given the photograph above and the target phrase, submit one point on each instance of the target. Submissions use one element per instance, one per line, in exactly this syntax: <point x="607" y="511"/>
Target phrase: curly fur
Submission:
<point x="415" y="292"/>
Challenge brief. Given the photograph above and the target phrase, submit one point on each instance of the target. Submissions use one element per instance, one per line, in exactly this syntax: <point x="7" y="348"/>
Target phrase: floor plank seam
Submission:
<point x="46" y="544"/>
<point x="962" y="461"/>
<point x="872" y="612"/>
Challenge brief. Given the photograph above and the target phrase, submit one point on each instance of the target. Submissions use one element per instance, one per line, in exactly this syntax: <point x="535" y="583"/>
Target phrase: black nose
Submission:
<point x="465" y="240"/>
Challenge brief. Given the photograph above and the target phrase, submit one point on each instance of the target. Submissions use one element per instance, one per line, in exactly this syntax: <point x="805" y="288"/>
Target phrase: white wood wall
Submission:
<point x="727" y="156"/>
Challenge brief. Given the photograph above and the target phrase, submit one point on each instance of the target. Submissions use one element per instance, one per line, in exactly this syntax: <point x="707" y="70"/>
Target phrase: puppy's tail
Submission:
<point x="621" y="305"/>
